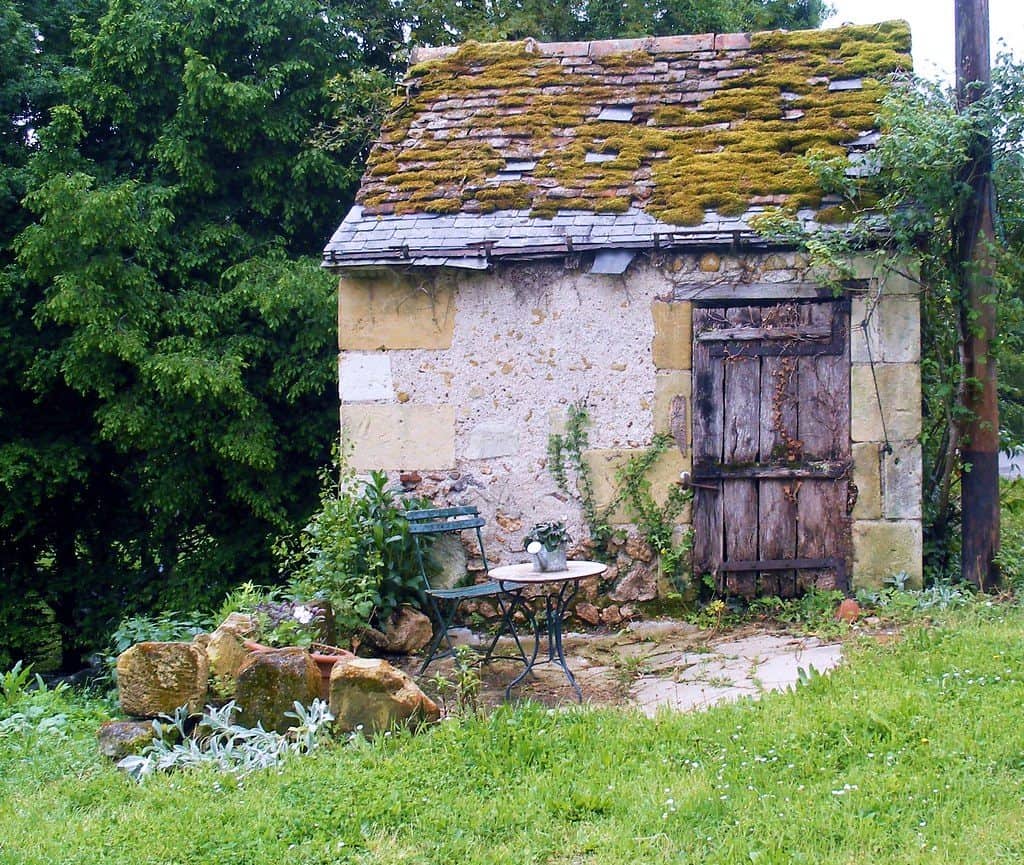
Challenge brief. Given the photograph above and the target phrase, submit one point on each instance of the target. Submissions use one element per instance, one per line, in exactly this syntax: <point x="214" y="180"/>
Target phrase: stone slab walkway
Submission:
<point x="663" y="665"/>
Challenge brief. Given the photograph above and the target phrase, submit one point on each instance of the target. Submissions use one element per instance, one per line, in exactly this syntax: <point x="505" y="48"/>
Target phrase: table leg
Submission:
<point x="555" y="605"/>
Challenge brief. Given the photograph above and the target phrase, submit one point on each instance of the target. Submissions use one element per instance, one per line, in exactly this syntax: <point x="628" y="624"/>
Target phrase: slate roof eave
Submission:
<point x="401" y="241"/>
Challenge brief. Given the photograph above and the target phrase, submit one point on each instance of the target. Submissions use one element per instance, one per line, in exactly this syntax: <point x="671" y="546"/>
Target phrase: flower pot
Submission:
<point x="545" y="560"/>
<point x="325" y="663"/>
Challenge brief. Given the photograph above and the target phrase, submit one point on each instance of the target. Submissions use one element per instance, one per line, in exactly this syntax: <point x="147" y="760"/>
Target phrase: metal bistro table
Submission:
<point x="559" y="588"/>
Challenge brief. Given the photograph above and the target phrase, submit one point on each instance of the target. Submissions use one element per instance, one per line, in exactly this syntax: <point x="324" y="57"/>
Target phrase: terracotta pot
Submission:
<point x="326" y="663"/>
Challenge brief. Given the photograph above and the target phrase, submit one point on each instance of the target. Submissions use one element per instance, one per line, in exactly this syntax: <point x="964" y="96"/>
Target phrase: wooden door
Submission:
<point x="771" y="446"/>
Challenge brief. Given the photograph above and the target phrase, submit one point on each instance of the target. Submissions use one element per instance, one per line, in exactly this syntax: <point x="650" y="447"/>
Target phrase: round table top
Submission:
<point x="524" y="572"/>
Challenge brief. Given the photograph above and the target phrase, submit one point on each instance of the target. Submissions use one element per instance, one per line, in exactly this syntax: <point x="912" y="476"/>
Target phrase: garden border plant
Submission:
<point x="356" y="551"/>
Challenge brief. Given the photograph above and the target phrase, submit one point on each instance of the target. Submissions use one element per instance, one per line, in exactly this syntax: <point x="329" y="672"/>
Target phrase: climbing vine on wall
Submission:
<point x="655" y="522"/>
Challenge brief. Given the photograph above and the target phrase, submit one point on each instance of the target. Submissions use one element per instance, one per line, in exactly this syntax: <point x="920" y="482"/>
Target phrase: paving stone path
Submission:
<point x="664" y="665"/>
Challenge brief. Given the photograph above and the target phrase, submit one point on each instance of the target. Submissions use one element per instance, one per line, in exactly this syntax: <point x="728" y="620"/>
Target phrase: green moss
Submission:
<point x="625" y="61"/>
<point x="382" y="167"/>
<point x="504" y="196"/>
<point x="830" y="40"/>
<point x="690" y="213"/>
<point x="718" y="154"/>
<point x="618" y="204"/>
<point x="444" y="205"/>
<point x="834" y="215"/>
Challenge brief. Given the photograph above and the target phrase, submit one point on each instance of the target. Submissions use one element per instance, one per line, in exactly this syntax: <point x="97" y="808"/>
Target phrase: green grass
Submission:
<point x="911" y="752"/>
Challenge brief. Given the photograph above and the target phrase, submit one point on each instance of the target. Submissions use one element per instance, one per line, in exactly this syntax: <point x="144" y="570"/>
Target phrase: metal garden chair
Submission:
<point x="444" y="603"/>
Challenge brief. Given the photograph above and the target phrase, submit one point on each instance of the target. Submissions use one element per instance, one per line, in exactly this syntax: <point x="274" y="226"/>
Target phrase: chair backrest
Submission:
<point x="437" y="521"/>
<point x="434" y="521"/>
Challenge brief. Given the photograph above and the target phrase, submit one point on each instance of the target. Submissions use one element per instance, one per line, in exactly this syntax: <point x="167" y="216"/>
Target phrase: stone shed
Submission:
<point x="547" y="226"/>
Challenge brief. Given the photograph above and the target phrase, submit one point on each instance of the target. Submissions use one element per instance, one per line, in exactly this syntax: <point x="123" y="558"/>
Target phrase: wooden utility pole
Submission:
<point x="975" y="237"/>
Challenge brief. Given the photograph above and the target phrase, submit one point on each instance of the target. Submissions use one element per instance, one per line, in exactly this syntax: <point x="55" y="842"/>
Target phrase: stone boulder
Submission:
<point x="370" y="694"/>
<point x="406" y="631"/>
<point x="638" y="549"/>
<point x="155" y="678"/>
<point x="118" y="739"/>
<point x="268" y="684"/>
<point x="639" y="584"/>
<point x="226" y="649"/>
<point x="848" y="611"/>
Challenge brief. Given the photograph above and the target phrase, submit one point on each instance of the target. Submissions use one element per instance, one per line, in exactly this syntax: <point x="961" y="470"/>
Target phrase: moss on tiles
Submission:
<point x="682" y="154"/>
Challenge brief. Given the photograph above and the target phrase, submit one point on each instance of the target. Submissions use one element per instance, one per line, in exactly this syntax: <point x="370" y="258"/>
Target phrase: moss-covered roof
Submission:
<point x="673" y="126"/>
<point x="525" y="149"/>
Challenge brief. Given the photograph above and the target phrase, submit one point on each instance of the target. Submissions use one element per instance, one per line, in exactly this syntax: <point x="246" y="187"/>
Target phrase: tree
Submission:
<point x="168" y="391"/>
<point x="168" y="173"/>
<point x="545" y="20"/>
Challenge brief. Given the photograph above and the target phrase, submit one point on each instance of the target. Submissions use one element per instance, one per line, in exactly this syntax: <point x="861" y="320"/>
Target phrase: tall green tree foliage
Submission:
<point x="555" y="20"/>
<point x="920" y="189"/>
<point x="169" y="390"/>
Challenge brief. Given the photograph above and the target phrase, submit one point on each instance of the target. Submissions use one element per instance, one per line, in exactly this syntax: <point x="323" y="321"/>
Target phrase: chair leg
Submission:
<point x="443" y="621"/>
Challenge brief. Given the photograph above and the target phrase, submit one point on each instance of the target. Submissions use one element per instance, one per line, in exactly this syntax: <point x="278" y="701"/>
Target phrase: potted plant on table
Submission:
<point x="546" y="543"/>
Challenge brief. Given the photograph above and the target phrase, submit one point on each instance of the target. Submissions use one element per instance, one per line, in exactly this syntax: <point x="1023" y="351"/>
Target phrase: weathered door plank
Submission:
<point x="824" y="431"/>
<point x="707" y="449"/>
<point x="739" y="496"/>
<point x="777" y="513"/>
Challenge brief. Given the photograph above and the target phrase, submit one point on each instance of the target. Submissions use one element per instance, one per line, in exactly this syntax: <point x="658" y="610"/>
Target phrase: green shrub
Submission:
<point x="28" y="708"/>
<point x="29" y="632"/>
<point x="219" y="742"/>
<point x="166" y="627"/>
<point x="357" y="552"/>
<point x="280" y="619"/>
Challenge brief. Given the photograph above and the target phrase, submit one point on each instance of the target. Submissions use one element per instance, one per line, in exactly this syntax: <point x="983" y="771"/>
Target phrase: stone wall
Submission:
<point x="885" y="348"/>
<point x="454" y="381"/>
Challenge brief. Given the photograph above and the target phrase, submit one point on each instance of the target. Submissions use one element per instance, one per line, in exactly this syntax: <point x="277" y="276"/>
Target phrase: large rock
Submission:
<point x="155" y="678"/>
<point x="268" y="684"/>
<point x="405" y="632"/>
<point x="639" y="584"/>
<point x="226" y="650"/>
<point x="370" y="694"/>
<point x="118" y="739"/>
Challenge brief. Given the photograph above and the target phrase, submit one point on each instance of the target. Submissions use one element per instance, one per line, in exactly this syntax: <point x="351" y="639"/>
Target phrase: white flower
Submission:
<point x="304" y="615"/>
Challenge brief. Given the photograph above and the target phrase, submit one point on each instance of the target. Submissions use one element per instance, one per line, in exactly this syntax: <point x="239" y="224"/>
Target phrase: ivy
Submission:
<point x="656" y="523"/>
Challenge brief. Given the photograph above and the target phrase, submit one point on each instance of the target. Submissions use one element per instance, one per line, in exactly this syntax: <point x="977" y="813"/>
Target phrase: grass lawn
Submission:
<point x="911" y="752"/>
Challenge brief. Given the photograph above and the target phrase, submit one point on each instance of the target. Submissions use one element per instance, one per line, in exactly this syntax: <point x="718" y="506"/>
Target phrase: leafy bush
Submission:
<point x="357" y="552"/>
<point x="812" y="612"/>
<point x="29" y="632"/>
<point x="28" y="707"/>
<point x="166" y="627"/>
<point x="896" y="601"/>
<point x="280" y="618"/>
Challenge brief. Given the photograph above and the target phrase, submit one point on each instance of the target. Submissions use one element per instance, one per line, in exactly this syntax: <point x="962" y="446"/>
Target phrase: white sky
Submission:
<point x="931" y="28"/>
